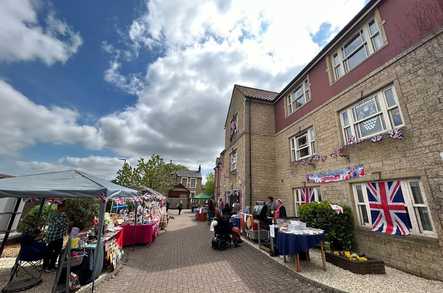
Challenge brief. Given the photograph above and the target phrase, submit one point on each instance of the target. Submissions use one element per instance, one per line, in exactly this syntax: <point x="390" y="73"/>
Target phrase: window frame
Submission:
<point x="193" y="180"/>
<point x="383" y="110"/>
<point x="294" y="146"/>
<point x="305" y="87"/>
<point x="186" y="180"/>
<point x="296" y="194"/>
<point x="367" y="42"/>
<point x="417" y="229"/>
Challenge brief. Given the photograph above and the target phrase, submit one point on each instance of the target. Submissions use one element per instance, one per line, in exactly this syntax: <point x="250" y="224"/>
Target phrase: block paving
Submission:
<point x="182" y="260"/>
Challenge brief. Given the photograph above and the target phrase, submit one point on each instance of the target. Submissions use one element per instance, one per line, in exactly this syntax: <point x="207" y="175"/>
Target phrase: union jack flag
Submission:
<point x="388" y="208"/>
<point x="307" y="194"/>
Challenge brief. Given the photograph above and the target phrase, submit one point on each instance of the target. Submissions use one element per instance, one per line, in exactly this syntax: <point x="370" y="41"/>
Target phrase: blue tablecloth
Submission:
<point x="291" y="244"/>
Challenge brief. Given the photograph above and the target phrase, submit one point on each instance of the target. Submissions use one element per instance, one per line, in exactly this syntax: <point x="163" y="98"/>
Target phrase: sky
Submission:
<point x="85" y="84"/>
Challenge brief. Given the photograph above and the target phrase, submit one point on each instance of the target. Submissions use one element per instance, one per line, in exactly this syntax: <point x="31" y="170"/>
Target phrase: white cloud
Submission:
<point x="23" y="38"/>
<point x="25" y="123"/>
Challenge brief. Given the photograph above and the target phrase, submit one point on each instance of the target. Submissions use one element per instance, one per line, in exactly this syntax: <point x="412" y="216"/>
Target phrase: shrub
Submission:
<point x="79" y="213"/>
<point x="339" y="228"/>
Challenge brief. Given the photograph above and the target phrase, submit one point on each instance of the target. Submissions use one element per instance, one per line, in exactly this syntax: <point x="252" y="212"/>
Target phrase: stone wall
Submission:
<point x="417" y="77"/>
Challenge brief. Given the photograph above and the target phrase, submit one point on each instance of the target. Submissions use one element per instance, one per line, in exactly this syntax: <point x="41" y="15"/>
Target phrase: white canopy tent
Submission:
<point x="63" y="184"/>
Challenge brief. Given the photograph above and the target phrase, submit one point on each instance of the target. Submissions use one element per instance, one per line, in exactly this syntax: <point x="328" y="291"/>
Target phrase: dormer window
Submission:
<point x="299" y="96"/>
<point x="357" y="48"/>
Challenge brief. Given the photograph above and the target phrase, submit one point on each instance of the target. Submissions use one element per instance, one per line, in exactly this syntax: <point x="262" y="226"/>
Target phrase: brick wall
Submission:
<point x="417" y="76"/>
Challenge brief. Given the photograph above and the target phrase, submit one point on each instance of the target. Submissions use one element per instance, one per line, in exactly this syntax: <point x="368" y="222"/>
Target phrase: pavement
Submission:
<point x="182" y="260"/>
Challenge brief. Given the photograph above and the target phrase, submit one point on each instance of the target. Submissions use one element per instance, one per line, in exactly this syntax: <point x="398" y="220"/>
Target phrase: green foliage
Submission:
<point x="153" y="173"/>
<point x="339" y="228"/>
<point x="31" y="222"/>
<point x="210" y="184"/>
<point x="79" y="212"/>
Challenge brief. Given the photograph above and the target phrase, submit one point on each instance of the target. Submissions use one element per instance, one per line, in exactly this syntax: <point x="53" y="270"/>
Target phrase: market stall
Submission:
<point x="200" y="200"/>
<point x="64" y="185"/>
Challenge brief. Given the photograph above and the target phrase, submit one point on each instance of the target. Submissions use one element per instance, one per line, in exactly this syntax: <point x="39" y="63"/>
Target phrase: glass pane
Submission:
<point x="395" y="117"/>
<point x="425" y="218"/>
<point x="302" y="140"/>
<point x="298" y="92"/>
<point x="357" y="58"/>
<point x="353" y="44"/>
<point x="365" y="109"/>
<point x="373" y="27"/>
<point x="336" y="60"/>
<point x="299" y="102"/>
<point x="416" y="192"/>
<point x="364" y="214"/>
<point x="371" y="126"/>
<point x="345" y="118"/>
<point x="338" y="71"/>
<point x="377" y="42"/>
<point x="348" y="133"/>
<point x="390" y="98"/>
<point x="304" y="152"/>
<point x="360" y="197"/>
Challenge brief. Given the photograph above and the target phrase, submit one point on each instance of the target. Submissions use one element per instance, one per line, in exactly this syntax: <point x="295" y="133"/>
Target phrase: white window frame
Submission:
<point x="384" y="110"/>
<point x="185" y="179"/>
<point x="305" y="97"/>
<point x="342" y="64"/>
<point x="297" y="194"/>
<point x="410" y="206"/>
<point x="193" y="180"/>
<point x="233" y="160"/>
<point x="295" y="147"/>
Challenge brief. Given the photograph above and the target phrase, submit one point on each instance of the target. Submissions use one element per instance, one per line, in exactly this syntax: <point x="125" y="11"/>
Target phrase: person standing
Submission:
<point x="280" y="210"/>
<point x="167" y="206"/>
<point x="57" y="226"/>
<point x="180" y="207"/>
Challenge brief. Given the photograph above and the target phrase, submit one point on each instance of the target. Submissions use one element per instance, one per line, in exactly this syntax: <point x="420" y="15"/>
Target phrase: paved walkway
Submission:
<point x="181" y="260"/>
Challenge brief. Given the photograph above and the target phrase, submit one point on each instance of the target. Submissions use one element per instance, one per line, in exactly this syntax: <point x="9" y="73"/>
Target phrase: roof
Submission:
<point x="5" y="176"/>
<point x="350" y="25"/>
<point x="64" y="184"/>
<point x="255" y="93"/>
<point x="188" y="173"/>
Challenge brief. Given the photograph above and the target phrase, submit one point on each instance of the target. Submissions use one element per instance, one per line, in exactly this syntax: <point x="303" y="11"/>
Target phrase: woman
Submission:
<point x="280" y="210"/>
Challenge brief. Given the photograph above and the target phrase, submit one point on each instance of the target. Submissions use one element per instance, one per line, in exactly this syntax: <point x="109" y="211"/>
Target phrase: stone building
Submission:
<point x="191" y="179"/>
<point x="361" y="126"/>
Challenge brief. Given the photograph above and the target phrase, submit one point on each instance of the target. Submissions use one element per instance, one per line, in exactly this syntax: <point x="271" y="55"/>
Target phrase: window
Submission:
<point x="400" y="202"/>
<point x="233" y="158"/>
<point x="373" y="115"/>
<point x="302" y="145"/>
<point x="299" y="96"/>
<point x="366" y="41"/>
<point x="185" y="181"/>
<point x="305" y="195"/>
<point x="193" y="181"/>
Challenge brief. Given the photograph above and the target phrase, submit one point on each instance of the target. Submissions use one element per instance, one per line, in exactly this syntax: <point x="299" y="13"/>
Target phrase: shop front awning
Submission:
<point x="202" y="196"/>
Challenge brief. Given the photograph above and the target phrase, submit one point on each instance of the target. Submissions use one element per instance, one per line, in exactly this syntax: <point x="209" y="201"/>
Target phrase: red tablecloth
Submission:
<point x="138" y="234"/>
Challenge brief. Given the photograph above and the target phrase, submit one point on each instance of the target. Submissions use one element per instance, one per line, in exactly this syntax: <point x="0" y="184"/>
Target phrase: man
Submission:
<point x="180" y="207"/>
<point x="57" y="226"/>
<point x="270" y="206"/>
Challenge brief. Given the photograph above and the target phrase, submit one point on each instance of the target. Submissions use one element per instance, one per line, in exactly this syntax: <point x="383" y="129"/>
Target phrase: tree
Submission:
<point x="153" y="173"/>
<point x="125" y="176"/>
<point x="210" y="184"/>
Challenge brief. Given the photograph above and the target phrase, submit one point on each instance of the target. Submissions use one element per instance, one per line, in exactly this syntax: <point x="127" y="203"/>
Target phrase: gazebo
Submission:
<point x="63" y="184"/>
<point x="202" y="196"/>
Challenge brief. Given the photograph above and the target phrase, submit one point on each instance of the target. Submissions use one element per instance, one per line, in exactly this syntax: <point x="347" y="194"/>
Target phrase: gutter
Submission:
<point x="250" y="154"/>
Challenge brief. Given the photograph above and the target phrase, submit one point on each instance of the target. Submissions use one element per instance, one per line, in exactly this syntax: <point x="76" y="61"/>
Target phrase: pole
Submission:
<point x="99" y="240"/>
<point x="11" y="222"/>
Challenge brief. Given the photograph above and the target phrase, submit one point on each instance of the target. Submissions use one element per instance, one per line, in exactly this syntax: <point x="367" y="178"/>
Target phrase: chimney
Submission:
<point x="199" y="168"/>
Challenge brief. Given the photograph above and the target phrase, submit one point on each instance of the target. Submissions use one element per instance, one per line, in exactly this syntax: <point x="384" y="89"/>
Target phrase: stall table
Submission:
<point x="293" y="244"/>
<point x="138" y="234"/>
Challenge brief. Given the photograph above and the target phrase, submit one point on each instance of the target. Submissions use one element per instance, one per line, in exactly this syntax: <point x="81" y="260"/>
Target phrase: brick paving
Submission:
<point x="181" y="260"/>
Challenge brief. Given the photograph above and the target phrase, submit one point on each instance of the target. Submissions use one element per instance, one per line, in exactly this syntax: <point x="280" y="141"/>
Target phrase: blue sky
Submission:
<point x="84" y="83"/>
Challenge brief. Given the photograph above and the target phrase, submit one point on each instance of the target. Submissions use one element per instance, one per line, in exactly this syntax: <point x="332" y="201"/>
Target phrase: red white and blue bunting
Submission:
<point x="337" y="175"/>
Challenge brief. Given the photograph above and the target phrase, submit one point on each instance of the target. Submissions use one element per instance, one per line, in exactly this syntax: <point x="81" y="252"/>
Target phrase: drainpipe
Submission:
<point x="250" y="154"/>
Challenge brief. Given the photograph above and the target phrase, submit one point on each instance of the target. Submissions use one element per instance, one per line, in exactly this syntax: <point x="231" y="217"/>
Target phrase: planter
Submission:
<point x="371" y="266"/>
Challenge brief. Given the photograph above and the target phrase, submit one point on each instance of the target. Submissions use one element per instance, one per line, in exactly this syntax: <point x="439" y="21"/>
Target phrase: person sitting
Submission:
<point x="225" y="227"/>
